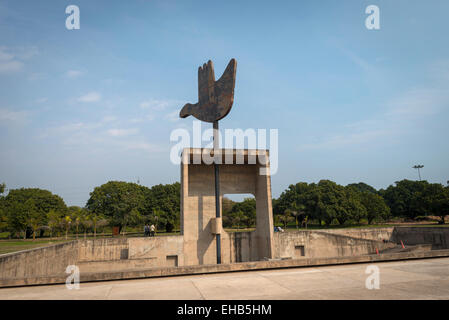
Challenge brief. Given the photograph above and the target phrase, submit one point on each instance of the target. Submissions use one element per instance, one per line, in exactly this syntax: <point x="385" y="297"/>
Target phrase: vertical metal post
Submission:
<point x="217" y="188"/>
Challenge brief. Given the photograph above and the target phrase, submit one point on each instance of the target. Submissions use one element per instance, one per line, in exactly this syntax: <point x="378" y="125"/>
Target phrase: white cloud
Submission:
<point x="4" y="56"/>
<point x="101" y="137"/>
<point x="10" y="66"/>
<point x="41" y="100"/>
<point x="141" y="145"/>
<point x="418" y="102"/>
<point x="90" y="97"/>
<point x="172" y="116"/>
<point x="144" y="118"/>
<point x="170" y="108"/>
<point x="107" y="119"/>
<point x="12" y="116"/>
<point x="25" y="53"/>
<point x="158" y="105"/>
<point x="11" y="59"/>
<point x="122" y="132"/>
<point x="155" y="104"/>
<point x="344" y="140"/>
<point x="73" y="74"/>
<point x="36" y="76"/>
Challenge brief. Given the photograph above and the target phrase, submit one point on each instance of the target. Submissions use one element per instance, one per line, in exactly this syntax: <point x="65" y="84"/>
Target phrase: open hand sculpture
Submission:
<point x="215" y="98"/>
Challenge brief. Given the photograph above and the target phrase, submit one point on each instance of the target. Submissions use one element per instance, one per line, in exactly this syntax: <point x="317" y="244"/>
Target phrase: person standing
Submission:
<point x="152" y="228"/>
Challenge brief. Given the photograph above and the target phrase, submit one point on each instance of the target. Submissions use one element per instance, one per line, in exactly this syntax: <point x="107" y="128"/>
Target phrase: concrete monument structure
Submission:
<point x="199" y="224"/>
<point x="215" y="99"/>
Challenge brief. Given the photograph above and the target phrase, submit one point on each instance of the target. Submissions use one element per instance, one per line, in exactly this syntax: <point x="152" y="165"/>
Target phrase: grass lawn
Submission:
<point x="7" y="246"/>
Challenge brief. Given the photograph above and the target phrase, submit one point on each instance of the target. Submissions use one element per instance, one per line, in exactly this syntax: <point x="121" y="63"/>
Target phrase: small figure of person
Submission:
<point x="304" y="222"/>
<point x="152" y="228"/>
<point x="146" y="230"/>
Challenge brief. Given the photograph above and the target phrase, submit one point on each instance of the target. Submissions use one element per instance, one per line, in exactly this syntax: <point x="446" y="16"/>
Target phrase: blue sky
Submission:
<point x="81" y="107"/>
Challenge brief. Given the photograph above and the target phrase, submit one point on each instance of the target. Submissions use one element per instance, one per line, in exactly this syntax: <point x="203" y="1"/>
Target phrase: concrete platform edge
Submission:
<point x="234" y="267"/>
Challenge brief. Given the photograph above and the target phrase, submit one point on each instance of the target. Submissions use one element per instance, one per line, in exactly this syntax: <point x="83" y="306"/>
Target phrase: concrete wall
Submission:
<point x="94" y="255"/>
<point x="364" y="233"/>
<point x="438" y="237"/>
<point x="315" y="244"/>
<point x="118" y="254"/>
<point x="38" y="262"/>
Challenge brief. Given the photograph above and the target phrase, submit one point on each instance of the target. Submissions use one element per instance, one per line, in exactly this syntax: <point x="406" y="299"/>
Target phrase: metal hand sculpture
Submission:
<point x="215" y="97"/>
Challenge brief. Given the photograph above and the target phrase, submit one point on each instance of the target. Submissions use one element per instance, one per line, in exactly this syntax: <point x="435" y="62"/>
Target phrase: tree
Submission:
<point x="237" y="217"/>
<point x="116" y="200"/>
<point x="353" y="205"/>
<point x="434" y="200"/>
<point x="3" y="216"/>
<point x="298" y="212"/>
<point x="330" y="202"/>
<point x="94" y="221"/>
<point x="34" y="219"/>
<point x="85" y="221"/>
<point x="325" y="201"/>
<point x="226" y="207"/>
<point x="404" y="199"/>
<point x="296" y="200"/>
<point x="65" y="222"/>
<point x="375" y="206"/>
<point x="132" y="218"/>
<point x="29" y="207"/>
<point x="53" y="221"/>
<point x="248" y="210"/>
<point x="285" y="218"/>
<point x="362" y="187"/>
<point x="165" y="200"/>
<point x="76" y="214"/>
<point x="102" y="223"/>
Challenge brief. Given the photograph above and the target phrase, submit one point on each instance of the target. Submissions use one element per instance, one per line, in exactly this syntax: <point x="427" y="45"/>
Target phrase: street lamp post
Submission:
<point x="418" y="166"/>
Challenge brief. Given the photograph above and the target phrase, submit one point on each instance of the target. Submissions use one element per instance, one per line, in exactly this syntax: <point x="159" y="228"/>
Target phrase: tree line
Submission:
<point x="31" y="212"/>
<point x="327" y="202"/>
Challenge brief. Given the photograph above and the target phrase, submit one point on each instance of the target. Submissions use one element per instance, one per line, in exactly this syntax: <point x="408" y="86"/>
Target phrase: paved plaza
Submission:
<point x="415" y="279"/>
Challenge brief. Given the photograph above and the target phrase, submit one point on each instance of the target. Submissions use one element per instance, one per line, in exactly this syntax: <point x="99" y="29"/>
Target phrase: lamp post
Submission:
<point x="418" y="166"/>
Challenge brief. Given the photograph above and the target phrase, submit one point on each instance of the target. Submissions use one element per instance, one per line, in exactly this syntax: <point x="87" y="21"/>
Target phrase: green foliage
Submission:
<point x="54" y="220"/>
<point x="244" y="212"/>
<point x="433" y="200"/>
<point x="411" y="199"/>
<point x="129" y="204"/>
<point x="325" y="201"/>
<point x="3" y="216"/>
<point x="239" y="214"/>
<point x="28" y="208"/>
<point x="330" y="202"/>
<point x="362" y="187"/>
<point x="375" y="205"/>
<point x="116" y="200"/>
<point x="355" y="209"/>
<point x="162" y="202"/>
<point x="125" y="204"/>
